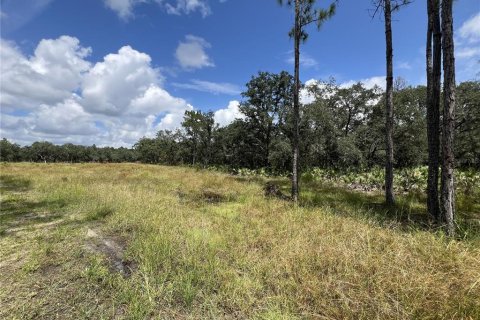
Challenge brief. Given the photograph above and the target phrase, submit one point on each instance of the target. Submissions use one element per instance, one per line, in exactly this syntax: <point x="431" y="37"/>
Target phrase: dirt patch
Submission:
<point x="113" y="249"/>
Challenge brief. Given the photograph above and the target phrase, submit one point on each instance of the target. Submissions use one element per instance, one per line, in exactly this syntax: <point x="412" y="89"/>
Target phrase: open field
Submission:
<point x="115" y="241"/>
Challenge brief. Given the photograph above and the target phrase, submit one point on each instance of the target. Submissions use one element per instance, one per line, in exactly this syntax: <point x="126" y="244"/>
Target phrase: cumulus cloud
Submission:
<point x="49" y="76"/>
<point x="110" y="85"/>
<point x="59" y="96"/>
<point x="211" y="87"/>
<point x="155" y="100"/>
<point x="65" y="118"/>
<point x="227" y="115"/>
<point x="306" y="97"/>
<point x="191" y="54"/>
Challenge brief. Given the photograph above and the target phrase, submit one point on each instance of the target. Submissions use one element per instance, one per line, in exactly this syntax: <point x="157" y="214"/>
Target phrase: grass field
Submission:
<point x="115" y="241"/>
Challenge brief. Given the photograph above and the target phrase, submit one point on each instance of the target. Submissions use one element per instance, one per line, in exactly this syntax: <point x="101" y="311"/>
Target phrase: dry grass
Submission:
<point x="209" y="245"/>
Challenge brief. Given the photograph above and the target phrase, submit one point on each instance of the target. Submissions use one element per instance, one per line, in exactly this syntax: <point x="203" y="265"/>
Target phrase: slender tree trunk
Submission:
<point x="348" y="122"/>
<point x="447" y="180"/>
<point x="296" y="103"/>
<point x="389" y="198"/>
<point x="434" y="59"/>
<point x="267" y="146"/>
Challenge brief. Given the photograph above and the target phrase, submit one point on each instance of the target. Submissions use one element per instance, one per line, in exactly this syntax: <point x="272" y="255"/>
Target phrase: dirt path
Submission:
<point x="112" y="249"/>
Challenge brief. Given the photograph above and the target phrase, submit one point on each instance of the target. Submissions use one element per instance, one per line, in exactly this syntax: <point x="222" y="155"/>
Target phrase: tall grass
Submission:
<point x="239" y="255"/>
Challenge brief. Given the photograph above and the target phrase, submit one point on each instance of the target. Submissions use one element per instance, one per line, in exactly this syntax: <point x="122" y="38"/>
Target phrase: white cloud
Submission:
<point x="306" y="97"/>
<point x="188" y="6"/>
<point x="191" y="54"/>
<point x="470" y="29"/>
<point x="211" y="87"/>
<point x="155" y="100"/>
<point x="226" y="116"/>
<point x="172" y="120"/>
<point x="65" y="118"/>
<point x="368" y="83"/>
<point x="49" y="76"/>
<point x="57" y="95"/>
<point x="467" y="49"/>
<point x="124" y="8"/>
<point x="110" y="85"/>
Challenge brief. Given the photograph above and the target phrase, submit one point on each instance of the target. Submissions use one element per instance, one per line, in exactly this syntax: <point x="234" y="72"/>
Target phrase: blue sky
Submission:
<point x="111" y="71"/>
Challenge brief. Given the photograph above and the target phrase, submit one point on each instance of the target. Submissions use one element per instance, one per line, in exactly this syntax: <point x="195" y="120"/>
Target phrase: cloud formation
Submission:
<point x="50" y="75"/>
<point x="227" y="115"/>
<point x="191" y="54"/>
<point x="125" y="8"/>
<point x="58" y="95"/>
<point x="188" y="6"/>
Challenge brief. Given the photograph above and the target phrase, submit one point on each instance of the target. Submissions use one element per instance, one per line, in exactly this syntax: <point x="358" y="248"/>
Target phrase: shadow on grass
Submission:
<point x="17" y="212"/>
<point x="14" y="184"/>
<point x="250" y="179"/>
<point x="409" y="212"/>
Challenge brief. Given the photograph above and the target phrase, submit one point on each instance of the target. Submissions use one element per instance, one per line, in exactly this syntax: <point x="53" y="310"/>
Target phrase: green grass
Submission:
<point x="206" y="245"/>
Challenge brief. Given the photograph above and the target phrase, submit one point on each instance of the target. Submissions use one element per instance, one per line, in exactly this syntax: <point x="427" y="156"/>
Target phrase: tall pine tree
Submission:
<point x="305" y="14"/>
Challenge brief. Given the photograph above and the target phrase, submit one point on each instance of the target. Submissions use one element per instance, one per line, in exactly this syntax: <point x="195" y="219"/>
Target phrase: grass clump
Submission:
<point x="100" y="213"/>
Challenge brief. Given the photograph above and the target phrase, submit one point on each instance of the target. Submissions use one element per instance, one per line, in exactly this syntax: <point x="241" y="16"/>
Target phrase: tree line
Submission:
<point x="341" y="128"/>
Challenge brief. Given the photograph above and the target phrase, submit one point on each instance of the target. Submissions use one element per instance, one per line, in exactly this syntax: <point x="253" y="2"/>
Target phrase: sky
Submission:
<point x="108" y="72"/>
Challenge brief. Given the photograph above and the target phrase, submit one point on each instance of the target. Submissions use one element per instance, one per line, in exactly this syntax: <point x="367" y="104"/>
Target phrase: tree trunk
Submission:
<point x="348" y="121"/>
<point x="433" y="105"/>
<point x="389" y="198"/>
<point x="296" y="106"/>
<point x="447" y="180"/>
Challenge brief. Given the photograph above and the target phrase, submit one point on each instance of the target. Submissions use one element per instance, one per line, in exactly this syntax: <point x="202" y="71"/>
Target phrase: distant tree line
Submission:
<point x="43" y="151"/>
<point x="342" y="128"/>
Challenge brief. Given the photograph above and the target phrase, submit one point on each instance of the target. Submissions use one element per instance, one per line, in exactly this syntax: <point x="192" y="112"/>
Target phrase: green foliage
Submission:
<point x="342" y="128"/>
<point x="268" y="102"/>
<point x="467" y="128"/>
<point x="9" y="152"/>
<point x="199" y="127"/>
<point x="406" y="179"/>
